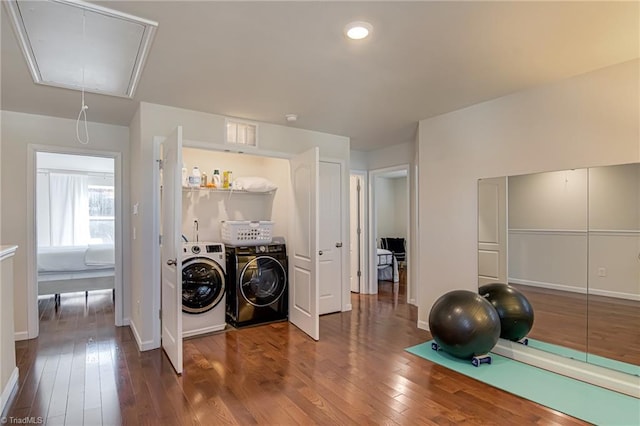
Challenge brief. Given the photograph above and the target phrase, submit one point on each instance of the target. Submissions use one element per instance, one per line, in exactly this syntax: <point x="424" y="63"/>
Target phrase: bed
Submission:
<point x="387" y="266"/>
<point x="75" y="268"/>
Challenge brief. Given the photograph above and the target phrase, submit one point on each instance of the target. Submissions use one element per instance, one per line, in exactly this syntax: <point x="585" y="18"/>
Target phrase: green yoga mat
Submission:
<point x="593" y="359"/>
<point x="573" y="397"/>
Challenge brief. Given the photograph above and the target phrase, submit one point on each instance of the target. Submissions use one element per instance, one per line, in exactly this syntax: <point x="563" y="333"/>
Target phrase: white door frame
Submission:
<point x="186" y="143"/>
<point x="372" y="283"/>
<point x="33" y="323"/>
<point x="364" y="246"/>
<point x="155" y="251"/>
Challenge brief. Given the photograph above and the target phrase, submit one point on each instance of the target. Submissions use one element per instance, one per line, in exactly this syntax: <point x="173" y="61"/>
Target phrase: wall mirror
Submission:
<point x="570" y="241"/>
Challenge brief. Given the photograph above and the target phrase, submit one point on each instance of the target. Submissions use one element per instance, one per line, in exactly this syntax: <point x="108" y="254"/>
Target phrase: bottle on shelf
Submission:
<point x="215" y="179"/>
<point x="203" y="180"/>
<point x="185" y="176"/>
<point x="195" y="178"/>
<point x="226" y="179"/>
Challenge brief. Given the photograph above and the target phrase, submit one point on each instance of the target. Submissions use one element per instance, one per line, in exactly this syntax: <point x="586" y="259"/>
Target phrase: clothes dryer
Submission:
<point x="258" y="285"/>
<point x="203" y="288"/>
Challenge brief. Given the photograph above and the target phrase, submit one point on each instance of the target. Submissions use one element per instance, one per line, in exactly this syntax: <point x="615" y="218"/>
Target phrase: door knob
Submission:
<point x="172" y="262"/>
<point x="320" y="253"/>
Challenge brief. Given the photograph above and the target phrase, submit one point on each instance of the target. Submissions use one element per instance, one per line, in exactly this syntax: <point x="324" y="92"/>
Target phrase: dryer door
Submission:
<point x="263" y="280"/>
<point x="203" y="285"/>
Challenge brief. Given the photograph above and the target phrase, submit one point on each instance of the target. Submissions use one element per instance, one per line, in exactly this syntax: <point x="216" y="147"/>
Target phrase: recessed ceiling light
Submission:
<point x="358" y="30"/>
<point x="291" y="117"/>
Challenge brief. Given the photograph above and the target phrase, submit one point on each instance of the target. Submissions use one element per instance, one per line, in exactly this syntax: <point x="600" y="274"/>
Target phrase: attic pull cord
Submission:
<point x="83" y="109"/>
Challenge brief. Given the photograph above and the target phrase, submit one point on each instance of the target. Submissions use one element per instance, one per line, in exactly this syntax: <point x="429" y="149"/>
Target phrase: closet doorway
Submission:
<point x="76" y="241"/>
<point x="389" y="229"/>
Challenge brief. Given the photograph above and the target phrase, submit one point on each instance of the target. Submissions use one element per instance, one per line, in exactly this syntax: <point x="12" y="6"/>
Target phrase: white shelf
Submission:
<point x="226" y="191"/>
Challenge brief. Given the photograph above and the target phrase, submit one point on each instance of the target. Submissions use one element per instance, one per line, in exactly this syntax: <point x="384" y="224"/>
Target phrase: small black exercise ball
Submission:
<point x="464" y="324"/>
<point x="514" y="310"/>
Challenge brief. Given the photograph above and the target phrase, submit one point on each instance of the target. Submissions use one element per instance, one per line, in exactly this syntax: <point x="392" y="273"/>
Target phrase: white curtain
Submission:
<point x="69" y="207"/>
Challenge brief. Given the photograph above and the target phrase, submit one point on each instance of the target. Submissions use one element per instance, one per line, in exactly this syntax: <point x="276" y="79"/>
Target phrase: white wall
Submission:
<point x="550" y="244"/>
<point x="212" y="207"/>
<point x="551" y="200"/>
<point x="548" y="230"/>
<point x="389" y="157"/>
<point x="385" y="208"/>
<point x="614" y="197"/>
<point x="614" y="231"/>
<point x="391" y="207"/>
<point x="402" y="206"/>
<point x="159" y="120"/>
<point x="359" y="160"/>
<point x="587" y="120"/>
<point x="18" y="131"/>
<point x="393" y="155"/>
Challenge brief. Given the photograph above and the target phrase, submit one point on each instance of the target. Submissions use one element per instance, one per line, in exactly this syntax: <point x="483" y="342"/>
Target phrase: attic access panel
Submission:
<point x="111" y="49"/>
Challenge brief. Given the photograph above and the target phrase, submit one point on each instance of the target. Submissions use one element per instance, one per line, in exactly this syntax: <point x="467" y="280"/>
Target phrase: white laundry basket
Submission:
<point x="246" y="233"/>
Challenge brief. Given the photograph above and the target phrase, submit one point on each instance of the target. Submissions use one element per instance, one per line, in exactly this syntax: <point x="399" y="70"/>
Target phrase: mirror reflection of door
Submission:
<point x="492" y="231"/>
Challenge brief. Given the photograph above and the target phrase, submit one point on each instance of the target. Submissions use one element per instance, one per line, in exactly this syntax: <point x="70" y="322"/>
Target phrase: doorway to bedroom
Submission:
<point x="76" y="230"/>
<point x="390" y="230"/>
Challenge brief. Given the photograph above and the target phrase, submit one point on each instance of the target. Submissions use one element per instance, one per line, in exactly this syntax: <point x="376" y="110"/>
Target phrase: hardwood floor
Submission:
<point x="602" y="326"/>
<point x="82" y="370"/>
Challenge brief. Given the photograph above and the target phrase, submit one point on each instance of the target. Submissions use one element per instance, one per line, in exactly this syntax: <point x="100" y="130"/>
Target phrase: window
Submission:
<point x="101" y="214"/>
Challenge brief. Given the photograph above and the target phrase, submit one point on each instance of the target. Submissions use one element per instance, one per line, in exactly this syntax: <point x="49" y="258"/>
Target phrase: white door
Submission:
<point x="171" y="217"/>
<point x="330" y="219"/>
<point x="355" y="229"/>
<point x="492" y="230"/>
<point x="303" y="254"/>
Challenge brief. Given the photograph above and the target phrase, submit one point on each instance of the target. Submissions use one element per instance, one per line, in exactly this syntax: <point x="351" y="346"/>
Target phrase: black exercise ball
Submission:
<point x="514" y="310"/>
<point x="464" y="324"/>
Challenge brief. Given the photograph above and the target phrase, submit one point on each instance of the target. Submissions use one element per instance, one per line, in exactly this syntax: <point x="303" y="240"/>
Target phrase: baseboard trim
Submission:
<point x="21" y="335"/>
<point x="142" y="345"/>
<point x="550" y="286"/>
<point x="12" y="383"/>
<point x="423" y="325"/>
<point x="594" y="291"/>
<point x="347" y="307"/>
<point x="614" y="294"/>
<point x="610" y="379"/>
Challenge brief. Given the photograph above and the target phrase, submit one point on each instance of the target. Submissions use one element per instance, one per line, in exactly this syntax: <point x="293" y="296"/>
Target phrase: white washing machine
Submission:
<point x="203" y="288"/>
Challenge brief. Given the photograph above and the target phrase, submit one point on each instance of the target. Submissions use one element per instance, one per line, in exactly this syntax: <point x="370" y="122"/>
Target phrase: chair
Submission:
<point x="395" y="245"/>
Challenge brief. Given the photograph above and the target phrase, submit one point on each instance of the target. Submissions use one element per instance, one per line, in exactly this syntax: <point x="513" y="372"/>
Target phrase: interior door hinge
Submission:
<point x="159" y="239"/>
<point x="160" y="164"/>
<point x="359" y="273"/>
<point x="160" y="314"/>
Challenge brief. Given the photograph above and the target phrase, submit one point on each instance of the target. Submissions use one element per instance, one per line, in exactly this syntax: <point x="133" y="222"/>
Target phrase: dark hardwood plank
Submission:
<point x="603" y="326"/>
<point x="83" y="370"/>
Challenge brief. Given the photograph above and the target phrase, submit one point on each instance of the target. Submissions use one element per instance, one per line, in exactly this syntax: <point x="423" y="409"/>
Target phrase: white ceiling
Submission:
<point x="262" y="60"/>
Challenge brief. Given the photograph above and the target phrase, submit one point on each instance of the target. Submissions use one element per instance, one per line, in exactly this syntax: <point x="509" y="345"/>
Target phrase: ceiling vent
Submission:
<point x="241" y="132"/>
<point x="79" y="45"/>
